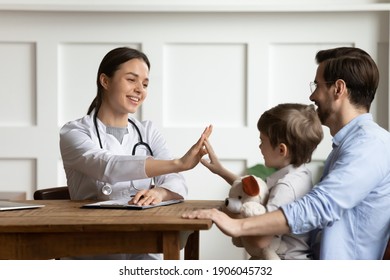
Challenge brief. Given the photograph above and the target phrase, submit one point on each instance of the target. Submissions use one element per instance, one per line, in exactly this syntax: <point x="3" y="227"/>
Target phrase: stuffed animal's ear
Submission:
<point x="250" y="186"/>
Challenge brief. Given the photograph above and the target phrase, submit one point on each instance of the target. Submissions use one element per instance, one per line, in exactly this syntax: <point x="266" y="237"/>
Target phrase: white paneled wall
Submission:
<point x="218" y="63"/>
<point x="192" y="74"/>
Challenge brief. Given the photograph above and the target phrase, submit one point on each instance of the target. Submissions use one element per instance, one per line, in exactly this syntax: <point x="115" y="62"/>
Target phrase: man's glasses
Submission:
<point x="313" y="85"/>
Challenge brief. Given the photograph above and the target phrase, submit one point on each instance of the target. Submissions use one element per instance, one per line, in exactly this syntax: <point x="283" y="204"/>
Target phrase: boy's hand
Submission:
<point x="196" y="152"/>
<point x="214" y="165"/>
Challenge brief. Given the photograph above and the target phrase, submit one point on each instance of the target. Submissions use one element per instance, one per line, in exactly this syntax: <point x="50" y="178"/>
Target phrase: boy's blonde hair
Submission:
<point x="295" y="125"/>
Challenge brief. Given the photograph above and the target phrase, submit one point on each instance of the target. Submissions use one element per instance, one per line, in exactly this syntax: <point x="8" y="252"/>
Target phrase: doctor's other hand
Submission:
<point x="227" y="225"/>
<point x="153" y="196"/>
<point x="196" y="152"/>
<point x="147" y="197"/>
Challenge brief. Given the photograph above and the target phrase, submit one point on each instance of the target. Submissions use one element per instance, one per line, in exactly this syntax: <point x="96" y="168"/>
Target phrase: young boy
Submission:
<point x="289" y="133"/>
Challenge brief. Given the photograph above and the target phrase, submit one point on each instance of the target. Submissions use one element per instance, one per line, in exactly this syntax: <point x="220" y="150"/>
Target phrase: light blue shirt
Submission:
<point x="351" y="203"/>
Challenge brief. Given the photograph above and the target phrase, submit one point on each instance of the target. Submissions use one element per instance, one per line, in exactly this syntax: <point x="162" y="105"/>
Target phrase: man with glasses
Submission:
<point x="350" y="204"/>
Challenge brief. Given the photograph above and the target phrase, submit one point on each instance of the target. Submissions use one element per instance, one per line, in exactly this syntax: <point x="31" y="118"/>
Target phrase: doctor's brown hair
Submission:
<point x="111" y="63"/>
<point x="295" y="125"/>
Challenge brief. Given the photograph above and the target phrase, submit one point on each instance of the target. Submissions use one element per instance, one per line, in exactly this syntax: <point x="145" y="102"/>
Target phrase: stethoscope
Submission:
<point x="107" y="189"/>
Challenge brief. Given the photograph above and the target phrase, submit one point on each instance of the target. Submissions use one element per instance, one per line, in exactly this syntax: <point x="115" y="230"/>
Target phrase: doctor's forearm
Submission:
<point x="155" y="167"/>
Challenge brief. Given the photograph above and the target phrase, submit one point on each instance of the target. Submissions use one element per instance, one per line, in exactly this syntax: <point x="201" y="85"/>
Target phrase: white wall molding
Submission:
<point x="195" y="5"/>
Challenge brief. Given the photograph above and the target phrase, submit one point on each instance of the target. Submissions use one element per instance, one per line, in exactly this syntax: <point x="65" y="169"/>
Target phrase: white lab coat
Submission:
<point x="88" y="167"/>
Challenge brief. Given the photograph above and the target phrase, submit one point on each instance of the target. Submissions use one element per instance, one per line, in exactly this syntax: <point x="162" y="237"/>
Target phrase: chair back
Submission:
<point x="386" y="256"/>
<point x="52" y="193"/>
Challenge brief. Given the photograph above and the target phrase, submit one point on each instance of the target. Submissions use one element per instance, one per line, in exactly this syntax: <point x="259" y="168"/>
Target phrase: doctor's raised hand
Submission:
<point x="108" y="154"/>
<point x="155" y="167"/>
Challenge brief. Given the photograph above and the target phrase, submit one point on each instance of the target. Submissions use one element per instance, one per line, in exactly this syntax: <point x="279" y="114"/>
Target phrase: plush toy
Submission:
<point x="247" y="198"/>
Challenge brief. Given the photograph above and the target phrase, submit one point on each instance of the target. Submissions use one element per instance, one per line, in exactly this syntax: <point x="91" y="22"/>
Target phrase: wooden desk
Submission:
<point x="63" y="229"/>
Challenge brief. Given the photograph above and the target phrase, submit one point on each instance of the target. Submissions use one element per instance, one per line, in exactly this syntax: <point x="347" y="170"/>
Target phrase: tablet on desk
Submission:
<point x="11" y="205"/>
<point x="123" y="204"/>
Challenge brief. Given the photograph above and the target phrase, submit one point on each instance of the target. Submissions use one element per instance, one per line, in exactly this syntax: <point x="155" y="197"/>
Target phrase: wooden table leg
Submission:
<point x="191" y="251"/>
<point x="171" y="245"/>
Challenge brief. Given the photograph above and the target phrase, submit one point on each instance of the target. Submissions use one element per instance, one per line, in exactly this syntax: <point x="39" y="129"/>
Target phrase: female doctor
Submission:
<point x="109" y="155"/>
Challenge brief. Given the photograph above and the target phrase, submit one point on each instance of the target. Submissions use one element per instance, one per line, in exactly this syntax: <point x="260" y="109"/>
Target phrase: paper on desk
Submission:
<point x="123" y="204"/>
<point x="12" y="205"/>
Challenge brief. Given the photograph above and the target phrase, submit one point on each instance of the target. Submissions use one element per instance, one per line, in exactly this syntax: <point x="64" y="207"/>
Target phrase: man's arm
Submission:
<point x="267" y="224"/>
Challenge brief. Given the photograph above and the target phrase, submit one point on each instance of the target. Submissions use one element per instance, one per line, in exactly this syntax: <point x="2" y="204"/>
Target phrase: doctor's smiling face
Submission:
<point x="122" y="81"/>
<point x="126" y="89"/>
